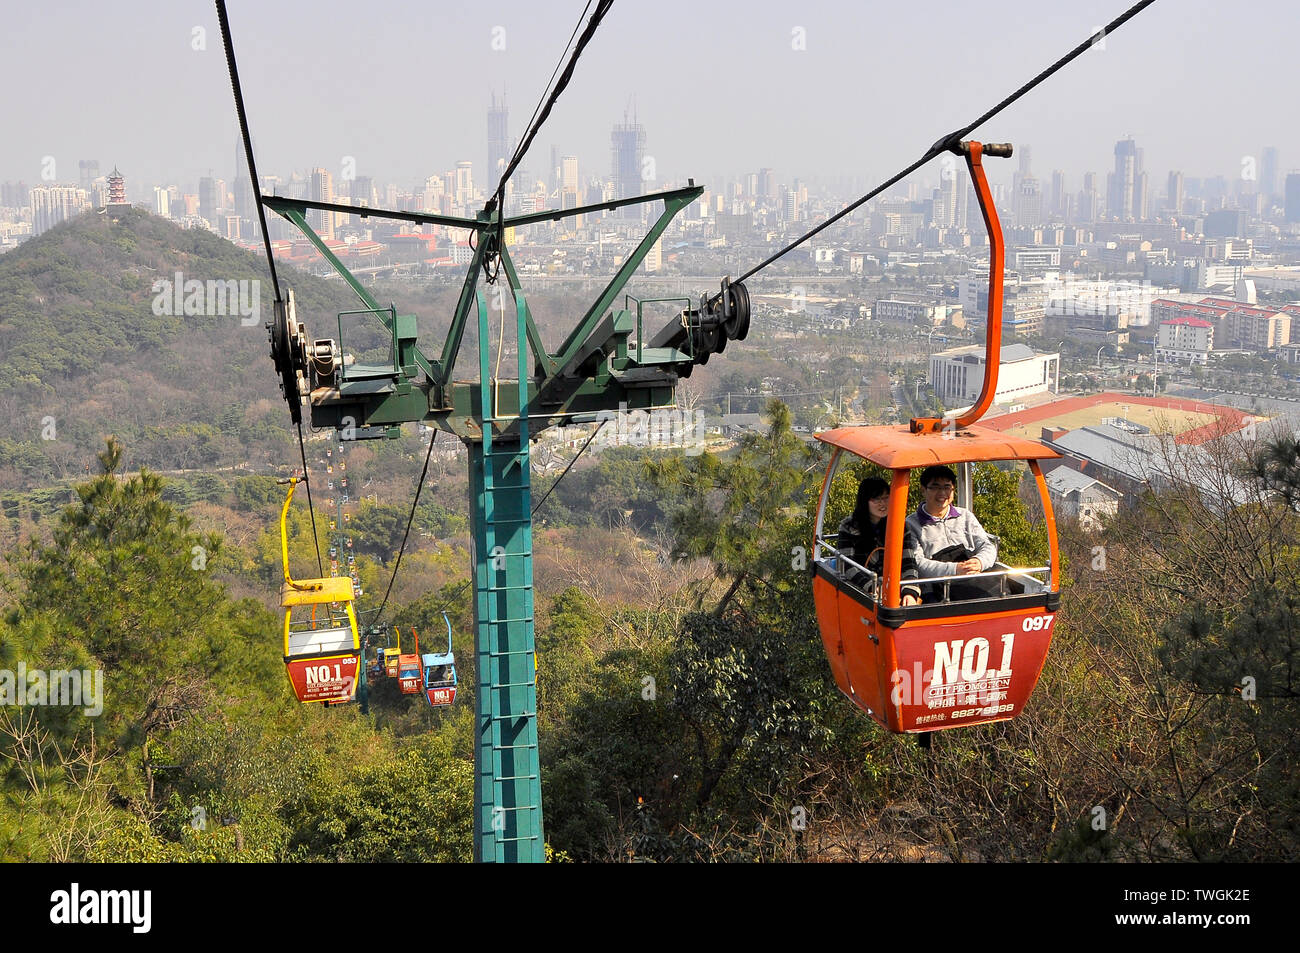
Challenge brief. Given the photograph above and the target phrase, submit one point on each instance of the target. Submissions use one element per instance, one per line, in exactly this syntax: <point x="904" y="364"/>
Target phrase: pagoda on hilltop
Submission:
<point x="117" y="204"/>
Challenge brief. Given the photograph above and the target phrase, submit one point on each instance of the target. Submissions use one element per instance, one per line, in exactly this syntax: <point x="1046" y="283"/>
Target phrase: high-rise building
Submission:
<point x="434" y="189"/>
<point x="945" y="201"/>
<point x="245" y="202"/>
<point x="790" y="204"/>
<point x="1293" y="197"/>
<point x="52" y="204"/>
<point x="961" y="195"/>
<point x="1268" y="174"/>
<point x="321" y="189"/>
<point x="464" y="182"/>
<point x="1119" y="184"/>
<point x="14" y="195"/>
<point x="1060" y="200"/>
<point x="245" y="197"/>
<point x="1088" y="207"/>
<point x="1023" y="155"/>
<point x="627" y="149"/>
<point x="1126" y="187"/>
<point x="162" y="203"/>
<point x="766" y="186"/>
<point x="569" y="185"/>
<point x="363" y="193"/>
<point x="1029" y="202"/>
<point x="208" y="202"/>
<point x="654" y="259"/>
<point x="498" y="141"/>
<point x="89" y="172"/>
<point x="1174" y="202"/>
<point x="363" y="190"/>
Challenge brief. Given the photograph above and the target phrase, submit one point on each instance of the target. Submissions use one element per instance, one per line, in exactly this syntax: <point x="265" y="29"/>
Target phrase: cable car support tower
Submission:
<point x="609" y="361"/>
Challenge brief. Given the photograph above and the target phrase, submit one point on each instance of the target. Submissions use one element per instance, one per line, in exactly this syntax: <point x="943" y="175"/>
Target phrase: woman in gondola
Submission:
<point x="862" y="538"/>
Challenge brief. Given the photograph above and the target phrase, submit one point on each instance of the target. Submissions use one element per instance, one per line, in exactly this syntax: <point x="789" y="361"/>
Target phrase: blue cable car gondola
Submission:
<point x="440" y="673"/>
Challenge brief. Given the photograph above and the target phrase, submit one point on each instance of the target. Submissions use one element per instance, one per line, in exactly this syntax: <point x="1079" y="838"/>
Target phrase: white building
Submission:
<point x="957" y="375"/>
<point x="929" y="313"/>
<point x="1080" y="497"/>
<point x="1185" y="340"/>
<point x="1036" y="257"/>
<point x="52" y="204"/>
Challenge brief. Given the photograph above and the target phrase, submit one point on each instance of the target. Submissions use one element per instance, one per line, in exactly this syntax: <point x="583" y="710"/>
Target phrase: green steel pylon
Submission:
<point x="507" y="772"/>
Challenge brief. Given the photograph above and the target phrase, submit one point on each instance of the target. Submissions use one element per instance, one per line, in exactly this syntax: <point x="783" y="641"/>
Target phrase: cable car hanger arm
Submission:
<point x="974" y="152"/>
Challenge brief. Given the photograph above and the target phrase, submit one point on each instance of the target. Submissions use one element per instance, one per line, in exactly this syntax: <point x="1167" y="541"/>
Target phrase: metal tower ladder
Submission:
<point x="507" y="773"/>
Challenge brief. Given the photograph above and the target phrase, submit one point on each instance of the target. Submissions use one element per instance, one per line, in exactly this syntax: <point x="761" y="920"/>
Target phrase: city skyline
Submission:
<point x="1216" y="208"/>
<point x="783" y="104"/>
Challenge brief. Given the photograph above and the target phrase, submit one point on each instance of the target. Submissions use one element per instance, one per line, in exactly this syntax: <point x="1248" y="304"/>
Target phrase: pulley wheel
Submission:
<point x="737" y="326"/>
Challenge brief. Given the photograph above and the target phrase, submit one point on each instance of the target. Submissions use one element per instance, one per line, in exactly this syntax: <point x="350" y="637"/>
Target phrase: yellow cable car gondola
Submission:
<point x="322" y="648"/>
<point x="393" y="655"/>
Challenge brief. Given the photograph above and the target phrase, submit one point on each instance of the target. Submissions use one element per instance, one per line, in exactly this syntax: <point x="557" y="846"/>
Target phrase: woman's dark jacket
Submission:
<point x="866" y="547"/>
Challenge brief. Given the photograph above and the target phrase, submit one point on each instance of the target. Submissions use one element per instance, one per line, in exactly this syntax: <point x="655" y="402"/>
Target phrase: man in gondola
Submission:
<point x="951" y="541"/>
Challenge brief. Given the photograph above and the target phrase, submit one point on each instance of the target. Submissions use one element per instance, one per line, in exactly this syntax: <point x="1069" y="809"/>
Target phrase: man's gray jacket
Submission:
<point x="958" y="528"/>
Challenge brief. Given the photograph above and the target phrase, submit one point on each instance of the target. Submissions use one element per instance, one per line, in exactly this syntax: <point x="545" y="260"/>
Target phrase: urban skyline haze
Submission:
<point x="818" y="91"/>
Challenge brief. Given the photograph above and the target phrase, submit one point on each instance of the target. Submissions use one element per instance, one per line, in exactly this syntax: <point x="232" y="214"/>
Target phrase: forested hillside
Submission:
<point x="686" y="709"/>
<point x="85" y="352"/>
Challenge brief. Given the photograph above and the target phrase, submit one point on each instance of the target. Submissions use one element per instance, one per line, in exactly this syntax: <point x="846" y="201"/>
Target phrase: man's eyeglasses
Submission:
<point x="941" y="487"/>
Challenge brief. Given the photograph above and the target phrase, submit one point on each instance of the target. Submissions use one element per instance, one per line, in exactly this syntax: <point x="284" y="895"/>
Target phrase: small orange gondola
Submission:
<point x="944" y="663"/>
<point x="410" y="674"/>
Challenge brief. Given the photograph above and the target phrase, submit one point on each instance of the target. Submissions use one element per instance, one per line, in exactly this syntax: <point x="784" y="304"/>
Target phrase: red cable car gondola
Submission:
<point x="946" y="662"/>
<point x="410" y="676"/>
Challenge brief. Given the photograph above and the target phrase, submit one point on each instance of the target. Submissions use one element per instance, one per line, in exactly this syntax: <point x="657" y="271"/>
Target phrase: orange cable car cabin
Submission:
<point x="958" y="658"/>
<point x="410" y="674"/>
<point x="946" y="662"/>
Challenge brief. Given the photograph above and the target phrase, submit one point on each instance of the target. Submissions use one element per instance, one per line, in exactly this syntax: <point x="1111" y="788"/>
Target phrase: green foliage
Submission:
<point x="123" y="586"/>
<point x="410" y="809"/>
<point x="736" y="684"/>
<point x="256" y="838"/>
<point x="1276" y="465"/>
<point x="565" y="656"/>
<point x="1002" y="513"/>
<point x="257" y="494"/>
<point x="603" y="489"/>
<point x="732" y="510"/>
<point x="377" y="528"/>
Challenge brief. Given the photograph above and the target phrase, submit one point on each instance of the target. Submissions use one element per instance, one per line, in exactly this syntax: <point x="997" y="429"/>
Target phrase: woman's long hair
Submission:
<point x="868" y="490"/>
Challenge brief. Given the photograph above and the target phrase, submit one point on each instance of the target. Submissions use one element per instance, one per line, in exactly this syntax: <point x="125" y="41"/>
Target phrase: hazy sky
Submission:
<point x="402" y="85"/>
